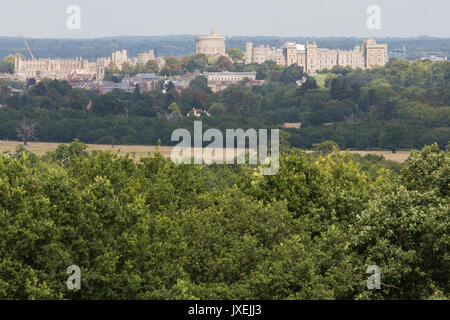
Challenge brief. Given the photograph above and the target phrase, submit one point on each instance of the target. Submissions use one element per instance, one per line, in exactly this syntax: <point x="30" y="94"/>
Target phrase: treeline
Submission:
<point x="400" y="106"/>
<point x="150" y="229"/>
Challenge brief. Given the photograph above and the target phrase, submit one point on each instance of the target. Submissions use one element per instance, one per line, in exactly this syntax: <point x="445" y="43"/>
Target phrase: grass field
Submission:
<point x="40" y="148"/>
<point x="320" y="79"/>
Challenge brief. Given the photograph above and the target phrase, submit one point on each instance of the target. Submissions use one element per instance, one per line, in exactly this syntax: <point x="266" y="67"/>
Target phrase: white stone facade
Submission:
<point x="213" y="44"/>
<point x="59" y="69"/>
<point x="312" y="58"/>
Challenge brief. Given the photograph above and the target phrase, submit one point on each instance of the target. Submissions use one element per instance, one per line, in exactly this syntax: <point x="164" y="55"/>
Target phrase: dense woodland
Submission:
<point x="400" y="106"/>
<point x="151" y="229"/>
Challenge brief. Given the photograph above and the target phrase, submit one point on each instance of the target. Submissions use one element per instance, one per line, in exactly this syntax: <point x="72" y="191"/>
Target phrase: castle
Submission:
<point x="213" y="44"/>
<point x="64" y="69"/>
<point x="59" y="69"/>
<point x="308" y="56"/>
<point x="312" y="58"/>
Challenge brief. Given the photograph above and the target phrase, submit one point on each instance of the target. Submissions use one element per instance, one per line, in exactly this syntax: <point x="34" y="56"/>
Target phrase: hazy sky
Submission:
<point x="99" y="18"/>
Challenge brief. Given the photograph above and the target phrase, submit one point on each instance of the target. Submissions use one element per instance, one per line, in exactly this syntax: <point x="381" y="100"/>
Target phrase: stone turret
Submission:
<point x="249" y="53"/>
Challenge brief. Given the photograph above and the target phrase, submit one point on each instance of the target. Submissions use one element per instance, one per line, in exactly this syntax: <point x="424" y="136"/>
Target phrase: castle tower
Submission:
<point x="249" y="53"/>
<point x="213" y="44"/>
<point x="311" y="57"/>
<point x="374" y="53"/>
<point x="291" y="53"/>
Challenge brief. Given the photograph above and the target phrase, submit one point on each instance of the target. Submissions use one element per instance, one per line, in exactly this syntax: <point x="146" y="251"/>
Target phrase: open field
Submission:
<point x="40" y="148"/>
<point x="320" y="79"/>
<point x="399" y="156"/>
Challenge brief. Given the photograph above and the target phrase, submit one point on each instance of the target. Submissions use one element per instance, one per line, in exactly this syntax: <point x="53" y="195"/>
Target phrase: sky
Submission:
<point x="288" y="18"/>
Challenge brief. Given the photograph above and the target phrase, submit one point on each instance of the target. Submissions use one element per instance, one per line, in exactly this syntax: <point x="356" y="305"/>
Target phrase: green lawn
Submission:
<point x="320" y="79"/>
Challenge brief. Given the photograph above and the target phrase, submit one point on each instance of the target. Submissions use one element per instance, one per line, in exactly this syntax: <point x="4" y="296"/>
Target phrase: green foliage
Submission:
<point x="8" y="63"/>
<point x="151" y="229"/>
<point x="175" y="111"/>
<point x="326" y="147"/>
<point x="235" y="54"/>
<point x="67" y="152"/>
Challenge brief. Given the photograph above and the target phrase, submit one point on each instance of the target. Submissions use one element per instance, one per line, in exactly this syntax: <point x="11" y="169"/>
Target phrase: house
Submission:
<point x="108" y="86"/>
<point x="146" y="81"/>
<point x="197" y="113"/>
<point x="219" y="81"/>
<point x="292" y="125"/>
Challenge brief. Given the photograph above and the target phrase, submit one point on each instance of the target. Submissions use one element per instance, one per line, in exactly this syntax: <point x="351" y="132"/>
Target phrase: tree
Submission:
<point x="340" y="89"/>
<point x="200" y="83"/>
<point x="127" y="68"/>
<point x="291" y="74"/>
<point x="172" y="67"/>
<point x="8" y="64"/>
<point x="241" y="101"/>
<point x="175" y="112"/>
<point x="326" y="147"/>
<point x="217" y="109"/>
<point x="394" y="136"/>
<point x="223" y="64"/>
<point x="197" y="62"/>
<point x="112" y="69"/>
<point x="235" y="54"/>
<point x="309" y="84"/>
<point x="152" y="67"/>
<point x="65" y="153"/>
<point x="165" y="231"/>
<point x="404" y="230"/>
<point x="25" y="131"/>
<point x="4" y="92"/>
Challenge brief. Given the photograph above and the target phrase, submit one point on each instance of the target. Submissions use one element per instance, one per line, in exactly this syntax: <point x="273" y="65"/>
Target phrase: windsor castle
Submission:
<point x="312" y="58"/>
<point x="308" y="56"/>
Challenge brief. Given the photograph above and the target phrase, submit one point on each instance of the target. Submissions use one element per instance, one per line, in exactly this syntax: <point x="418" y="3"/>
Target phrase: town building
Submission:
<point x="108" y="86"/>
<point x="434" y="58"/>
<point x="229" y="76"/>
<point x="219" y="81"/>
<point x="197" y="113"/>
<point x="312" y="58"/>
<point x="147" y="82"/>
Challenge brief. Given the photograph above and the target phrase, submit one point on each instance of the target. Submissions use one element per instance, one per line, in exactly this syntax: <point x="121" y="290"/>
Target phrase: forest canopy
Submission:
<point x="151" y="229"/>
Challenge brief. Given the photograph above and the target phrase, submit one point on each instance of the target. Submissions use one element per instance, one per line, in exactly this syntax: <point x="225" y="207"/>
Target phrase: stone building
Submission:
<point x="60" y="69"/>
<point x="145" y="57"/>
<point x="213" y="44"/>
<point x="219" y="81"/>
<point x="119" y="58"/>
<point x="68" y="69"/>
<point x="312" y="58"/>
